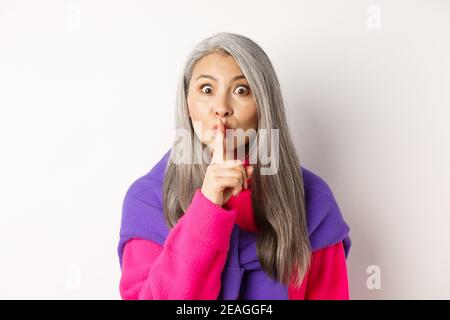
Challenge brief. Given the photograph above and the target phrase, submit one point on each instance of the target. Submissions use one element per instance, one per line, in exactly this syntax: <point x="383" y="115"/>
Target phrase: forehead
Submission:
<point x="217" y="65"/>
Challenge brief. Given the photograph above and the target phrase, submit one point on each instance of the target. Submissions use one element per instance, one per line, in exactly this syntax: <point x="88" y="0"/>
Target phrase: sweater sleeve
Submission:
<point x="189" y="264"/>
<point x="326" y="278"/>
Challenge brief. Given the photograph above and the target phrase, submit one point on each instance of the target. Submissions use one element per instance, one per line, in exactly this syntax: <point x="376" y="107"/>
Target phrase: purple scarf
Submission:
<point x="242" y="276"/>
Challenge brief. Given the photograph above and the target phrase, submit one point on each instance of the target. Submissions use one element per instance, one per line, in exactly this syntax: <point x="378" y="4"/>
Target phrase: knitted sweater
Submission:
<point x="190" y="263"/>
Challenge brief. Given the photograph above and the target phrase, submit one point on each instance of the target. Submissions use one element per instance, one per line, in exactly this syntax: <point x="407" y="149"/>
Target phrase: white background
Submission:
<point x="87" y="97"/>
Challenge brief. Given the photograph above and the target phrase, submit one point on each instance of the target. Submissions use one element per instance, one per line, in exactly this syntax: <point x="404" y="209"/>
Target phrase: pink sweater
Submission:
<point x="189" y="265"/>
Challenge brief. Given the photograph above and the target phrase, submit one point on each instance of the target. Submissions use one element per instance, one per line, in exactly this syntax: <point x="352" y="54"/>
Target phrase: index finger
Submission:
<point x="218" y="152"/>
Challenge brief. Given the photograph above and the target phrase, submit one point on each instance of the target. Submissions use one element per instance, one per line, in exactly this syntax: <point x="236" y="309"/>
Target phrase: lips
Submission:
<point x="225" y="128"/>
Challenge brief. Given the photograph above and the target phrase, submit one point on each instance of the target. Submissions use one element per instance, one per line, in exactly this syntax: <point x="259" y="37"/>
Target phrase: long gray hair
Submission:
<point x="278" y="200"/>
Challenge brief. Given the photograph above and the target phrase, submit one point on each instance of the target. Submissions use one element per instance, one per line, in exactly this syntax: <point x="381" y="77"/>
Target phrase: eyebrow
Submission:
<point x="241" y="76"/>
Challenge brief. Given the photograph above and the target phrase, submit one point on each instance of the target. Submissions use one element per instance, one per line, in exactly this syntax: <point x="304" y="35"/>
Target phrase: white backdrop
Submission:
<point x="87" y="93"/>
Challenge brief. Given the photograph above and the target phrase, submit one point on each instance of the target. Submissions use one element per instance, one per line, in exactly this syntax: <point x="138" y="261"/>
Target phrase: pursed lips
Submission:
<point x="225" y="129"/>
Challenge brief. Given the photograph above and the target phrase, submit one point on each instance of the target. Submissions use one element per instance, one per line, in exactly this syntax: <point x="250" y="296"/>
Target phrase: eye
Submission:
<point x="243" y="89"/>
<point x="206" y="86"/>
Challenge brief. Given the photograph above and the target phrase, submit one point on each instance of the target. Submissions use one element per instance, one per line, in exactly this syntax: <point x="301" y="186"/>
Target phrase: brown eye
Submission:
<point x="206" y="86"/>
<point x="243" y="89"/>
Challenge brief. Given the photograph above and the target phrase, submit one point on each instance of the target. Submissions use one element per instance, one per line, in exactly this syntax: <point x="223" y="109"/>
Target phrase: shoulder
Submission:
<point x="326" y="225"/>
<point x="315" y="185"/>
<point x="148" y="184"/>
<point x="319" y="197"/>
<point x="142" y="209"/>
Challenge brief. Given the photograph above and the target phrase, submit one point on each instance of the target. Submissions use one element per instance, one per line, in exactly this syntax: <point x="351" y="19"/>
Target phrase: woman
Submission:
<point x="228" y="228"/>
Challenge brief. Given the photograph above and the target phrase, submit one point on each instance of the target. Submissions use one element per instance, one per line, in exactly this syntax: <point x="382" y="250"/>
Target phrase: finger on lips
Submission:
<point x="219" y="154"/>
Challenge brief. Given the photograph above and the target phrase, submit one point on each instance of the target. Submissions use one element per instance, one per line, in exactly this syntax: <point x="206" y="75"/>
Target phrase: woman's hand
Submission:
<point x="224" y="178"/>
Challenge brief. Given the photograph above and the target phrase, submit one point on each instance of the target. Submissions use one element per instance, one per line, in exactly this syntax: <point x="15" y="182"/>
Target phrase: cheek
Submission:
<point x="196" y="109"/>
<point x="254" y="121"/>
<point x="198" y="115"/>
<point x="249" y="118"/>
<point x="199" y="119"/>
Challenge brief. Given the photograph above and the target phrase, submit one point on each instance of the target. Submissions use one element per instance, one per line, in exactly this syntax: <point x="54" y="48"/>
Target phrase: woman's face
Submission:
<point x="218" y="89"/>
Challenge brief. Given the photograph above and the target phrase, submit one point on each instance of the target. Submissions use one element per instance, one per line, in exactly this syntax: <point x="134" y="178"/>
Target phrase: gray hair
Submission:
<point x="278" y="200"/>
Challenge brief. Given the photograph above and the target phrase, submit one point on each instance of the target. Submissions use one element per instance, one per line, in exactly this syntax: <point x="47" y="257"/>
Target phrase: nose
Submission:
<point x="222" y="112"/>
<point x="222" y="107"/>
